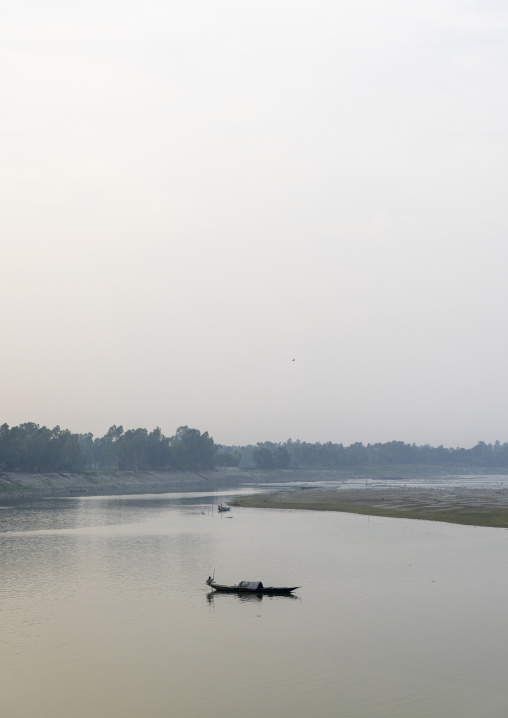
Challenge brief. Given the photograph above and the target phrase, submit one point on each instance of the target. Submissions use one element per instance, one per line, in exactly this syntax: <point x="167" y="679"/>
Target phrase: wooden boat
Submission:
<point x="251" y="587"/>
<point x="222" y="508"/>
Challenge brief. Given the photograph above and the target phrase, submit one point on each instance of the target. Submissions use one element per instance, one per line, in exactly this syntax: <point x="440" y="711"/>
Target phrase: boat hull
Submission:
<point x="268" y="590"/>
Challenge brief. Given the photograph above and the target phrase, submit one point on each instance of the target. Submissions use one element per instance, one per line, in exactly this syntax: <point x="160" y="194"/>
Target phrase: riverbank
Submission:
<point x="16" y="484"/>
<point x="109" y="482"/>
<point x="448" y="503"/>
<point x="24" y="484"/>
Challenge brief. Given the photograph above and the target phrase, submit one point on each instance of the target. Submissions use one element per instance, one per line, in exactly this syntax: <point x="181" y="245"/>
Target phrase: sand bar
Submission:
<point x="452" y="504"/>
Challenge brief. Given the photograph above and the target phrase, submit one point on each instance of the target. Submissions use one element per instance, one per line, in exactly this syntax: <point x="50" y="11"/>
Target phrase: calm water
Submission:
<point x="104" y="612"/>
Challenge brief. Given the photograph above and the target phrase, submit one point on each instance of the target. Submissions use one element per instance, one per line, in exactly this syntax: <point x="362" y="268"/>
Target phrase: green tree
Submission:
<point x="190" y="449"/>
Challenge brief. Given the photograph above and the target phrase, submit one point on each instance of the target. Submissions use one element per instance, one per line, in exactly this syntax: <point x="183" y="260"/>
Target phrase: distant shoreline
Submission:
<point x="18" y="485"/>
<point x="103" y="480"/>
<point x="450" y="504"/>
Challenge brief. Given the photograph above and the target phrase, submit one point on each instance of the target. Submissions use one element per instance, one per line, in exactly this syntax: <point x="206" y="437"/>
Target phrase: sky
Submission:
<point x="265" y="220"/>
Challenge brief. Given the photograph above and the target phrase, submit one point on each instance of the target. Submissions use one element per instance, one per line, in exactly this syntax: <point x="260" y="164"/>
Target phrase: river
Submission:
<point x="104" y="612"/>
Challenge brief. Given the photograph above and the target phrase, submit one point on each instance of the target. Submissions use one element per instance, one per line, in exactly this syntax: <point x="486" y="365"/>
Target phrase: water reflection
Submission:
<point x="248" y="597"/>
<point x="73" y="513"/>
<point x="102" y="613"/>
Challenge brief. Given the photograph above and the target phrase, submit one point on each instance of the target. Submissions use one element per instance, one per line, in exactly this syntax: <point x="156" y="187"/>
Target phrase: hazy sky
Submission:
<point x="194" y="194"/>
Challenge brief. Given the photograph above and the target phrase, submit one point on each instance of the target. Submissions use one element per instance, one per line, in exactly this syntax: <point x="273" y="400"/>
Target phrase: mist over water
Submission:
<point x="104" y="611"/>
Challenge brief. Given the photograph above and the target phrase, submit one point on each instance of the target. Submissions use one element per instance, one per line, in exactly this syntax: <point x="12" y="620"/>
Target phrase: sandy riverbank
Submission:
<point x="17" y="485"/>
<point x="452" y="504"/>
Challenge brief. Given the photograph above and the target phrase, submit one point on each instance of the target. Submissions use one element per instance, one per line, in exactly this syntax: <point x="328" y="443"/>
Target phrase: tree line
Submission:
<point x="32" y="448"/>
<point x="300" y="454"/>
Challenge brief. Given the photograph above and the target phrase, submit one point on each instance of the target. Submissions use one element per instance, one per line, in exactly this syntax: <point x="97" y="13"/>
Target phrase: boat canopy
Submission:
<point x="251" y="585"/>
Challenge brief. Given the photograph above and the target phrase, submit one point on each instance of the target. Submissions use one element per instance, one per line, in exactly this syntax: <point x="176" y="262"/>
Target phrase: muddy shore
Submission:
<point x="452" y="504"/>
<point x="18" y="485"/>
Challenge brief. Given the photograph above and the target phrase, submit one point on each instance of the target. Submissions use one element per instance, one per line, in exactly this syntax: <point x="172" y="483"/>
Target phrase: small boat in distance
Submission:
<point x="250" y="587"/>
<point x="221" y="508"/>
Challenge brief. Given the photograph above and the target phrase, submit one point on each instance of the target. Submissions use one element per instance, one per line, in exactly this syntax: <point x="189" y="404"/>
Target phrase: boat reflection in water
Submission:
<point x="211" y="596"/>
